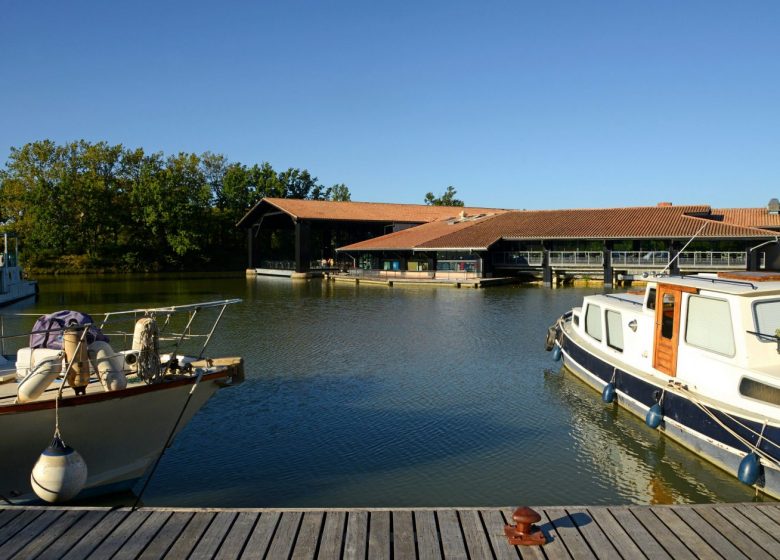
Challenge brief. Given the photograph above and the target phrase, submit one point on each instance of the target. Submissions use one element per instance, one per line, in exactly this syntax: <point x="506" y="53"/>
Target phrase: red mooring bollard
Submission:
<point x="525" y="533"/>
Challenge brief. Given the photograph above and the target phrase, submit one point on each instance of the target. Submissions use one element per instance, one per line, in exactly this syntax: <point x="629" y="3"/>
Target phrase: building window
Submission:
<point x="593" y="321"/>
<point x="709" y="325"/>
<point x="614" y="330"/>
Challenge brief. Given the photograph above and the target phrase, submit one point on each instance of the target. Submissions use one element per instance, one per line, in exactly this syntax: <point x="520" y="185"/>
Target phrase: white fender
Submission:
<point x="108" y="365"/>
<point x="41" y="376"/>
<point x="27" y="358"/>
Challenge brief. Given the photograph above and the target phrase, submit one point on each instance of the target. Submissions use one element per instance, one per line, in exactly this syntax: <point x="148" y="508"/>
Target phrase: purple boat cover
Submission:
<point x="58" y="320"/>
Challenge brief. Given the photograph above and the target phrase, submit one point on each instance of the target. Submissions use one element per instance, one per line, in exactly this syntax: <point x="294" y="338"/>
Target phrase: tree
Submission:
<point x="340" y="193"/>
<point x="447" y="199"/>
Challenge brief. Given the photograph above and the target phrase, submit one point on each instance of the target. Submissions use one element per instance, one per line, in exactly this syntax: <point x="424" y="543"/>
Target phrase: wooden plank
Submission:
<point x="379" y="535"/>
<point x="91" y="540"/>
<point x="597" y="540"/>
<point x="663" y="534"/>
<point x="474" y="533"/>
<point x="284" y="537"/>
<point x="51" y="534"/>
<point x="693" y="541"/>
<point x="191" y="535"/>
<point x="644" y="539"/>
<point x="167" y="535"/>
<point x="451" y="536"/>
<point x="403" y="535"/>
<point x="7" y="514"/>
<point x="612" y="530"/>
<point x="143" y="536"/>
<point x="18" y="523"/>
<point x="210" y="542"/>
<point x="332" y="535"/>
<point x="494" y="526"/>
<point x="237" y="537"/>
<point x="761" y="529"/>
<point x="67" y="540"/>
<point x="567" y="532"/>
<point x="50" y="522"/>
<point x="308" y="536"/>
<point x="770" y="511"/>
<point x="736" y="531"/>
<point x="121" y="533"/>
<point x="708" y="533"/>
<point x="427" y="535"/>
<point x="261" y="537"/>
<point x="357" y="535"/>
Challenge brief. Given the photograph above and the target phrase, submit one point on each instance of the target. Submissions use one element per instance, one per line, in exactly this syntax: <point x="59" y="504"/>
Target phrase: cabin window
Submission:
<point x="651" y="298"/>
<point x="593" y="321"/>
<point x="709" y="325"/>
<point x="667" y="317"/>
<point x="614" y="330"/>
<point x="760" y="391"/>
<point x="767" y="316"/>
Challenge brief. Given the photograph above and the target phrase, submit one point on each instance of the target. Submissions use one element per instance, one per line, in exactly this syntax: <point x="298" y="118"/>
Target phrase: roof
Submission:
<point x="359" y="211"/>
<point x="647" y="222"/>
<point x="750" y="217"/>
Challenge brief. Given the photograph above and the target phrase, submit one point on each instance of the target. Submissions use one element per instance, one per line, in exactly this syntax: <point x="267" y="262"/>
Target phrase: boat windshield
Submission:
<point x="767" y="317"/>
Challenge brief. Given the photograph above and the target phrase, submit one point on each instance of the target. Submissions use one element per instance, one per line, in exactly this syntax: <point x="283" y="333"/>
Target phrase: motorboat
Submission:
<point x="13" y="285"/>
<point x="114" y="390"/>
<point x="698" y="357"/>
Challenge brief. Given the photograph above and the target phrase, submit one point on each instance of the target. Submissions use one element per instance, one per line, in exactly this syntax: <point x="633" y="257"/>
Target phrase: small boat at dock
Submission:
<point x="698" y="357"/>
<point x="114" y="390"/>
<point x="13" y="285"/>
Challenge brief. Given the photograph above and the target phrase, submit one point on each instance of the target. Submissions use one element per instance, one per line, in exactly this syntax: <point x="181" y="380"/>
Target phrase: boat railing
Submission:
<point x="591" y="259"/>
<point x="518" y="258"/>
<point x="639" y="259"/>
<point x="278" y="265"/>
<point x="120" y="324"/>
<point x="713" y="259"/>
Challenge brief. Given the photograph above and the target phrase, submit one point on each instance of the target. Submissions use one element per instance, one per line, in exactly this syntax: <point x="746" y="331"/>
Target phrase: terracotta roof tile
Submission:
<point x="362" y="211"/>
<point x="654" y="222"/>
<point x="750" y="217"/>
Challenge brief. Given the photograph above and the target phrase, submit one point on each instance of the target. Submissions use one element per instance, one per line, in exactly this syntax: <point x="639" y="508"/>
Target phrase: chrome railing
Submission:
<point x="577" y="258"/>
<point x="389" y="274"/>
<point x="518" y="258"/>
<point x="639" y="259"/>
<point x="713" y="259"/>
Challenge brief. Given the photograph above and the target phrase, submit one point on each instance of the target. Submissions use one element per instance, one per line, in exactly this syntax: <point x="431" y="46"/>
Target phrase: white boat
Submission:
<point x="131" y="401"/>
<point x="13" y="286"/>
<point x="697" y="356"/>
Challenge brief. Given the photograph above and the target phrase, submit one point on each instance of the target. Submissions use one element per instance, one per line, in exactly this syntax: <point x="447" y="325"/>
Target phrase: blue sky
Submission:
<point x="519" y="104"/>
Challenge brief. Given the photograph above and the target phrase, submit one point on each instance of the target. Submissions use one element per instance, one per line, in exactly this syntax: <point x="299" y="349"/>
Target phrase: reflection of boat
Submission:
<point x="697" y="356"/>
<point x="121" y="407"/>
<point x="13" y="286"/>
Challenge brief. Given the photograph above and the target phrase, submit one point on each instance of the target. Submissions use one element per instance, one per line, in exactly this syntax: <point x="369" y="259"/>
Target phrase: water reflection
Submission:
<point x="370" y="396"/>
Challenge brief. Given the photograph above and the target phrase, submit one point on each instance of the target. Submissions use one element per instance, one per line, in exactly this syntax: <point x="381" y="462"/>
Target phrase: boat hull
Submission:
<point x="118" y="434"/>
<point x="699" y="428"/>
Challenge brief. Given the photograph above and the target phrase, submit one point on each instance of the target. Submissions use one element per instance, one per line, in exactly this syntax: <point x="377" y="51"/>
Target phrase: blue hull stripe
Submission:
<point x="676" y="407"/>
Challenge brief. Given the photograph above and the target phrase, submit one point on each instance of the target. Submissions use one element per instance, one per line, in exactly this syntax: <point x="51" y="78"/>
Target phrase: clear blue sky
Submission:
<point x="518" y="104"/>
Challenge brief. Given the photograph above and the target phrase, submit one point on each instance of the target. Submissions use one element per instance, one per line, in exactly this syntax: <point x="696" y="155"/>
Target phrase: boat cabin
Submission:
<point x="714" y="334"/>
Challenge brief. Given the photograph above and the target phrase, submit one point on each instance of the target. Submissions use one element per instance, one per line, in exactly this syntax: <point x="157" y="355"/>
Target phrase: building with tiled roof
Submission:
<point x="579" y="241"/>
<point x="430" y="240"/>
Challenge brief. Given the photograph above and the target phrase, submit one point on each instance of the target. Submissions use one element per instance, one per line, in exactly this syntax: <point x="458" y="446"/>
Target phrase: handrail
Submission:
<point x="631" y="301"/>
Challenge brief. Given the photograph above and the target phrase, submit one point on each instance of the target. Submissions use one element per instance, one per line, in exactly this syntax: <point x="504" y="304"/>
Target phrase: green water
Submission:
<point x="375" y="396"/>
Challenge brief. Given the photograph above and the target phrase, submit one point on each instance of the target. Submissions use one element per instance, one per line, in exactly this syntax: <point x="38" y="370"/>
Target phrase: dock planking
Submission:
<point x="680" y="531"/>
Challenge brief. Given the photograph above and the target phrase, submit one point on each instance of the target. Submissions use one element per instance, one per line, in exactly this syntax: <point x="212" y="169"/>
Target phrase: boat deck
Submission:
<point x="682" y="531"/>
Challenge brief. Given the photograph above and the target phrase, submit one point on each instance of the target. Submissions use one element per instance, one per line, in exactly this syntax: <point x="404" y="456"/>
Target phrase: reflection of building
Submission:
<point x="424" y="242"/>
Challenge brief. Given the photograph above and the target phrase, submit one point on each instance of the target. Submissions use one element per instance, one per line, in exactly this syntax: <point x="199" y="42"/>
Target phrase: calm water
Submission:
<point x="374" y="396"/>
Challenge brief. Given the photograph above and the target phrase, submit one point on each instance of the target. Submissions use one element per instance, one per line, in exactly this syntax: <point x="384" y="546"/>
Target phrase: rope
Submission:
<point x="738" y="437"/>
<point x="168" y="441"/>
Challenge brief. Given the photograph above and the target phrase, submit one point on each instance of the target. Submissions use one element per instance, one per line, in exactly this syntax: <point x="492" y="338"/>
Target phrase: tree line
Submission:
<point x="88" y="206"/>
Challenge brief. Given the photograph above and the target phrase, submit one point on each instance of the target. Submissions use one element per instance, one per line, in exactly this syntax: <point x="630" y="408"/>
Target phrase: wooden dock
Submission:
<point x="749" y="531"/>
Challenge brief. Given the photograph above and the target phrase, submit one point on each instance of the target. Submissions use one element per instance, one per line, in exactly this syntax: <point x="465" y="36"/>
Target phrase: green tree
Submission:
<point x="340" y="193"/>
<point x="447" y="199"/>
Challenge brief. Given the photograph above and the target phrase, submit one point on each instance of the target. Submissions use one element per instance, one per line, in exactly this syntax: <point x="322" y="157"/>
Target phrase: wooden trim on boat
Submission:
<point x="231" y="367"/>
